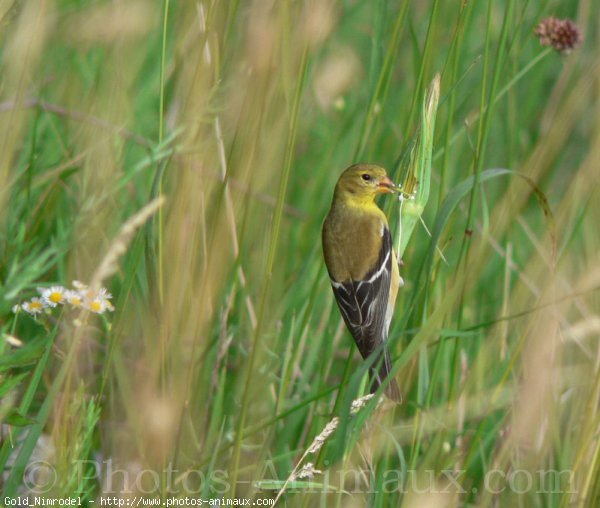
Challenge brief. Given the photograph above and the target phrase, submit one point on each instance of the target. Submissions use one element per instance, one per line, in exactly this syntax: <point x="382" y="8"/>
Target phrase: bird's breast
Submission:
<point x="351" y="244"/>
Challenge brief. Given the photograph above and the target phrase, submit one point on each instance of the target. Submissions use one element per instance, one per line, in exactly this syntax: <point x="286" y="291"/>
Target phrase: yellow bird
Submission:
<point x="362" y="264"/>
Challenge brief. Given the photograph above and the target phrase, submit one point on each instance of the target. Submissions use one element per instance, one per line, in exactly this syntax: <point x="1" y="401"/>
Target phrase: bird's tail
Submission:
<point x="392" y="390"/>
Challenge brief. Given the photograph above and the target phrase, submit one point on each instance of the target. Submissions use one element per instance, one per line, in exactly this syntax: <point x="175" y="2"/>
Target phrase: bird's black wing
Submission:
<point x="363" y="303"/>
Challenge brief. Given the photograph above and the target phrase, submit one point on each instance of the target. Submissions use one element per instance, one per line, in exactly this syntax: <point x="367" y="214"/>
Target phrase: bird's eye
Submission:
<point x="366" y="176"/>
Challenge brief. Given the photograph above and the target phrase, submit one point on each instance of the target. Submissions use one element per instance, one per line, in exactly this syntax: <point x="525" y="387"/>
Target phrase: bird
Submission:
<point x="362" y="265"/>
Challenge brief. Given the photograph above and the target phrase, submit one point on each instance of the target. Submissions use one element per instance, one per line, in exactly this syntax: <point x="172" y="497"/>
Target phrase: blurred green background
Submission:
<point x="225" y="356"/>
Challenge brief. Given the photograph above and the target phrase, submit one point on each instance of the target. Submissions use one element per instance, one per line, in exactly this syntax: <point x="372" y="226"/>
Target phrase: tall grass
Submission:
<point x="225" y="358"/>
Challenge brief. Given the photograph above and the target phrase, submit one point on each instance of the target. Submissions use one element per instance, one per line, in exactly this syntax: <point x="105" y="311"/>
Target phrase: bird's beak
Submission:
<point x="386" y="186"/>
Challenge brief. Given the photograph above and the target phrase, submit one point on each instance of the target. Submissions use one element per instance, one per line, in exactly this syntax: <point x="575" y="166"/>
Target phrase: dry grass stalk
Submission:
<point x="308" y="470"/>
<point x="108" y="265"/>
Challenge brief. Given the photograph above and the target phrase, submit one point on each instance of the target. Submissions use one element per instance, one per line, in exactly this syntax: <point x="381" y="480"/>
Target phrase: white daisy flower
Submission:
<point x="97" y="305"/>
<point x="98" y="302"/>
<point x="103" y="293"/>
<point x="13" y="341"/>
<point x="54" y="295"/>
<point x="75" y="298"/>
<point x="35" y="306"/>
<point x="16" y="308"/>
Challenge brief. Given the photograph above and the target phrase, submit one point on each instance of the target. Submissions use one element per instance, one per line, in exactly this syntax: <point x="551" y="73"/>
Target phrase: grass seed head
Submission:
<point x="562" y="35"/>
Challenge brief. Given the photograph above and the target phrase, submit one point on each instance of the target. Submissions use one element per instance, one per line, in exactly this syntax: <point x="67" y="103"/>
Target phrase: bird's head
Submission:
<point x="365" y="181"/>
